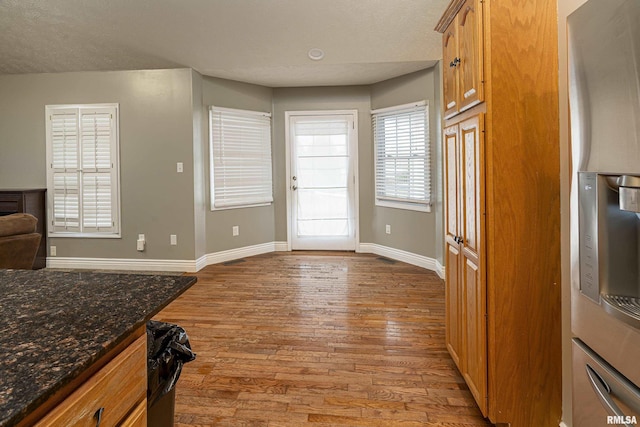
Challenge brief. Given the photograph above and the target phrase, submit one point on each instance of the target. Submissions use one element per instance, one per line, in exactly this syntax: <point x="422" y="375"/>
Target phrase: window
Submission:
<point x="402" y="163"/>
<point x="82" y="170"/>
<point x="240" y="156"/>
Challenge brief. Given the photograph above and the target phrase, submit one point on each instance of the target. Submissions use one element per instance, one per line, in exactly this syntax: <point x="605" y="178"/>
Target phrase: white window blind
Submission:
<point x="82" y="170"/>
<point x="402" y="165"/>
<point x="240" y="156"/>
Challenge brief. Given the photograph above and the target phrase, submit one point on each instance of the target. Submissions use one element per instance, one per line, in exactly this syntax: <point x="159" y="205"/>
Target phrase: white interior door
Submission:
<point x="322" y="181"/>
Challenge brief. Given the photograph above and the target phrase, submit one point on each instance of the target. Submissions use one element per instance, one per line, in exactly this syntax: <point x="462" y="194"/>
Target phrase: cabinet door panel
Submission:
<point x="454" y="297"/>
<point x="450" y="74"/>
<point x="471" y="177"/>
<point x="475" y="372"/>
<point x="453" y="293"/>
<point x="452" y="184"/>
<point x="472" y="274"/>
<point x="470" y="50"/>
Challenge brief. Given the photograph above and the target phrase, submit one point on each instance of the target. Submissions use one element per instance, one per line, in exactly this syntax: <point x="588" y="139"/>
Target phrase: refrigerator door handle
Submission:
<point x="603" y="391"/>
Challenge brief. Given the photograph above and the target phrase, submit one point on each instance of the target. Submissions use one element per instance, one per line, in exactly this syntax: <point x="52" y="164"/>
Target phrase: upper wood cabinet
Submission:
<point x="463" y="59"/>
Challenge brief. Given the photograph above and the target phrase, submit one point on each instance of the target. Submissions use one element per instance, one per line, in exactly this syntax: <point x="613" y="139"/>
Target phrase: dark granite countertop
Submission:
<point x="54" y="325"/>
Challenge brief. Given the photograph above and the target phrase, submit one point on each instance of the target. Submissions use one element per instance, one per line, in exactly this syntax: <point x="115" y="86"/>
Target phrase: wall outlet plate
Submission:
<point x="53" y="251"/>
<point x="173" y="239"/>
<point x="235" y="230"/>
<point x="387" y="229"/>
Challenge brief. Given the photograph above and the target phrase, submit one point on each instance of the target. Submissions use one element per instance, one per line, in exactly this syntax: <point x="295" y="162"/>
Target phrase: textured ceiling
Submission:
<point x="256" y="41"/>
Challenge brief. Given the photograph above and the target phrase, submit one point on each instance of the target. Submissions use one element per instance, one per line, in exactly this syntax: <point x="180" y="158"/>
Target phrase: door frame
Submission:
<point x="352" y="155"/>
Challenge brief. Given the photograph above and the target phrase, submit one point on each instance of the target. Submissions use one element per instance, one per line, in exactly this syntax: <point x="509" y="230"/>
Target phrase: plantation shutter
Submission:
<point x="401" y="137"/>
<point x="82" y="176"/>
<point x="64" y="169"/>
<point x="240" y="158"/>
<point x="97" y="132"/>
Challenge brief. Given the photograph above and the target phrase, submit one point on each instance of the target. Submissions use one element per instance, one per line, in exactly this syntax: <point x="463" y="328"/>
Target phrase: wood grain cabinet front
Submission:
<point x="463" y="59"/>
<point x="137" y="418"/>
<point x="115" y="395"/>
<point x="465" y="290"/>
<point x="502" y="192"/>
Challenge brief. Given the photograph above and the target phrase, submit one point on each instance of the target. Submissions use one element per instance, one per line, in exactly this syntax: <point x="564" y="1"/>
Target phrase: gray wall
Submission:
<point x="164" y="120"/>
<point x="256" y="224"/>
<point x="323" y="98"/>
<point x="156" y="131"/>
<point x="411" y="231"/>
<point x="199" y="165"/>
<point x="437" y="161"/>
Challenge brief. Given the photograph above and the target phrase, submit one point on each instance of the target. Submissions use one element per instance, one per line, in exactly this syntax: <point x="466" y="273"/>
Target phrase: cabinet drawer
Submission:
<point x="117" y="388"/>
<point x="9" y="206"/>
<point x="138" y="418"/>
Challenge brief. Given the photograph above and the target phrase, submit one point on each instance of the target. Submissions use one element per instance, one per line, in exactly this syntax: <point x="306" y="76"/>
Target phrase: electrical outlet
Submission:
<point x="174" y="239"/>
<point x="236" y="230"/>
<point x="52" y="251"/>
<point x="179" y="167"/>
<point x="387" y="229"/>
<point x="140" y="243"/>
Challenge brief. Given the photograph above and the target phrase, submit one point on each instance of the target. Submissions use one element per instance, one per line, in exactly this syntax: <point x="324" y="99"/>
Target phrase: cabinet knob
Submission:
<point x="98" y="416"/>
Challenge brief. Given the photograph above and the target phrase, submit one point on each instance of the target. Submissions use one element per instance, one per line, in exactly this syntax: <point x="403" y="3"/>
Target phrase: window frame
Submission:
<point x="391" y="202"/>
<point x="115" y="231"/>
<point x="212" y="186"/>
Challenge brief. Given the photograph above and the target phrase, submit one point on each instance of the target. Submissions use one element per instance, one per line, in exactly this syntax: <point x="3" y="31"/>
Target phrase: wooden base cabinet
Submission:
<point x="115" y="395"/>
<point x="502" y="206"/>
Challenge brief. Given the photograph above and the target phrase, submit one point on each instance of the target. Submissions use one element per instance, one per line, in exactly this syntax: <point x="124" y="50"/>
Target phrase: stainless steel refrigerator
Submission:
<point x="604" y="89"/>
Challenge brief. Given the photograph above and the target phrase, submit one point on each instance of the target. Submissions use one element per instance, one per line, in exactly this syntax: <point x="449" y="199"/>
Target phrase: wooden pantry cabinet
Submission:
<point x="502" y="206"/>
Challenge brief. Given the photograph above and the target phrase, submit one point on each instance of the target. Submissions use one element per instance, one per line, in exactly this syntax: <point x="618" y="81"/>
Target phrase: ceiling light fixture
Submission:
<point x="316" y="54"/>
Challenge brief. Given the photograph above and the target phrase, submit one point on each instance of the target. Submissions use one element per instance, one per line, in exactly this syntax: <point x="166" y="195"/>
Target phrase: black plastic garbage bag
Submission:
<point x="168" y="349"/>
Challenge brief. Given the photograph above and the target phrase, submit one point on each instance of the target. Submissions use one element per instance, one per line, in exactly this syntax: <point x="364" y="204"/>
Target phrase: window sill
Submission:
<point x="401" y="205"/>
<point x="226" y="208"/>
<point x="85" y="235"/>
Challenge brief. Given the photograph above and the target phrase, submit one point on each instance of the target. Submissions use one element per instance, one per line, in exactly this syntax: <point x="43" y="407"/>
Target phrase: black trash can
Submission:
<point x="168" y="349"/>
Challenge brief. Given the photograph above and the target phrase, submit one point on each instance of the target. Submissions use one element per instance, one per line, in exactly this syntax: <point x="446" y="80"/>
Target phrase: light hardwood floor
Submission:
<point x="318" y="339"/>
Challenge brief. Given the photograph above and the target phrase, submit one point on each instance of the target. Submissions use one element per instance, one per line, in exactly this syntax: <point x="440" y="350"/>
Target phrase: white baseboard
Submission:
<point x="232" y="254"/>
<point x="399" y="255"/>
<point x="440" y="269"/>
<point x="164" y="264"/>
<point x="192" y="266"/>
<point x="122" y="264"/>
<point x="281" y="246"/>
<point x="562" y="424"/>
